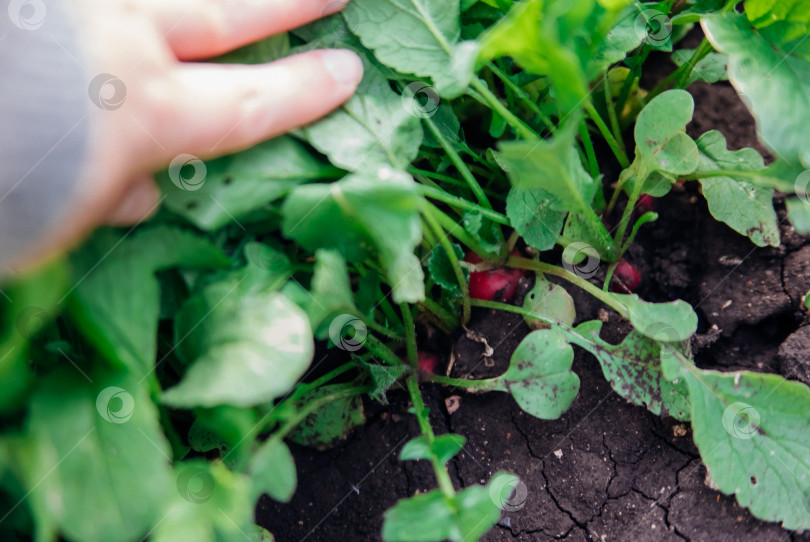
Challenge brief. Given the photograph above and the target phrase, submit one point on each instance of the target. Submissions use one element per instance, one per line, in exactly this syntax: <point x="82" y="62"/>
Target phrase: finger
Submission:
<point x="138" y="204"/>
<point x="220" y="109"/>
<point x="196" y="29"/>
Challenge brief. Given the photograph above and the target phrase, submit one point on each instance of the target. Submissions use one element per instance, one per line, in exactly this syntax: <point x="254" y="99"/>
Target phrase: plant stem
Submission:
<point x="442" y="476"/>
<point x="638" y="185"/>
<point x="382" y="351"/>
<point x="456" y="230"/>
<point x="462" y="168"/>
<point x="593" y="166"/>
<point x="615" y="146"/>
<point x="410" y="334"/>
<point x="441" y="313"/>
<point x="461" y="203"/>
<point x="595" y="291"/>
<point x="305" y="387"/>
<point x="612" y="115"/>
<point x="427" y="212"/>
<point x="521" y="128"/>
<point x="520" y="93"/>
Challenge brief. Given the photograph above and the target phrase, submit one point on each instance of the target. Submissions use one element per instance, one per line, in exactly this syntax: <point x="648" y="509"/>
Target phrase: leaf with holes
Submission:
<point x="753" y="433"/>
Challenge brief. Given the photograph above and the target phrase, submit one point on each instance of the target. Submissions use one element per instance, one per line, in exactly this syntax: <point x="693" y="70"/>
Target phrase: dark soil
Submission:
<point x="606" y="470"/>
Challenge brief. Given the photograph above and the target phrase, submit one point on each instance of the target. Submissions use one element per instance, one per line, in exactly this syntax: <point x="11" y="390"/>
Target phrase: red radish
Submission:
<point x="646" y="203"/>
<point x="626" y="278"/>
<point x="428" y="362"/>
<point x="495" y="284"/>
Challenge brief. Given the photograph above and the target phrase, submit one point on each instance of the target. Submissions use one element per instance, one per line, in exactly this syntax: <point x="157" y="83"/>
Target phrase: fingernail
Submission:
<point x="333" y="7"/>
<point x="138" y="204"/>
<point x="344" y="66"/>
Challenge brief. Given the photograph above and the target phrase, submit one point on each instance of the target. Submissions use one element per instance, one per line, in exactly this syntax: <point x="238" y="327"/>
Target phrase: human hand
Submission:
<point x="170" y="106"/>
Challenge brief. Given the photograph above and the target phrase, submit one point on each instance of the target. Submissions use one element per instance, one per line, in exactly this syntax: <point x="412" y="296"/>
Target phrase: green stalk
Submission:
<point x="456" y="230"/>
<point x="612" y="115"/>
<point x="606" y="133"/>
<point x="410" y="335"/>
<point x="521" y="128"/>
<point x="427" y="212"/>
<point x="462" y="168"/>
<point x="524" y="97"/>
<point x="380" y="350"/>
<point x="595" y="291"/>
<point x="447" y="318"/>
<point x="638" y="185"/>
<point x="593" y="166"/>
<point x="442" y="476"/>
<point x="461" y="203"/>
<point x="305" y="387"/>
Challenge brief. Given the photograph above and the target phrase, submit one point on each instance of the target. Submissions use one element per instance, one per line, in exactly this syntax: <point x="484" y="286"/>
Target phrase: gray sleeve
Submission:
<point x="43" y="121"/>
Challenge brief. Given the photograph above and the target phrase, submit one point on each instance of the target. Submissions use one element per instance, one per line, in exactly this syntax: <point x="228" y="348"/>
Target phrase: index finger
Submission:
<point x="196" y="29"/>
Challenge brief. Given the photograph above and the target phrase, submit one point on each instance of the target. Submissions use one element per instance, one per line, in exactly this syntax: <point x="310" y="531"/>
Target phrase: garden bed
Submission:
<point x="606" y="470"/>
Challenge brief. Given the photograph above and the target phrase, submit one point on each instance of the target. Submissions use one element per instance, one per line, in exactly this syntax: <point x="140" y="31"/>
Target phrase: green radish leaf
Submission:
<point x="551" y="165"/>
<point x="272" y="471"/>
<point x="772" y="81"/>
<point x="710" y="69"/>
<point x="483" y="230"/>
<point x="570" y="42"/>
<point x="671" y="322"/>
<point x="589" y="229"/>
<point x="229" y="189"/>
<point x="433" y="517"/>
<point x="442" y="271"/>
<point x="260" y="52"/>
<point x="365" y="211"/>
<point x="530" y="212"/>
<point x="444" y="447"/>
<point x="33" y="302"/>
<point x="231" y="430"/>
<point x="753" y="433"/>
<point x="117" y="304"/>
<point x="330" y="424"/>
<point x="331" y="292"/>
<point x="106" y="434"/>
<point x="382" y="378"/>
<point x="551" y="301"/>
<point x="747" y="208"/>
<point x="428" y="40"/>
<point x="211" y="504"/>
<point x="633" y="369"/>
<point x="371" y="130"/>
<point x="799" y="213"/>
<point x="620" y="40"/>
<point x="248" y="346"/>
<point x="539" y="375"/>
<point x="660" y="134"/>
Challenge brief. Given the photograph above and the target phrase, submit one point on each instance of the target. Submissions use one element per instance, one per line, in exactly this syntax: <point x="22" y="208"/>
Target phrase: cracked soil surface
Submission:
<point x="606" y="470"/>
